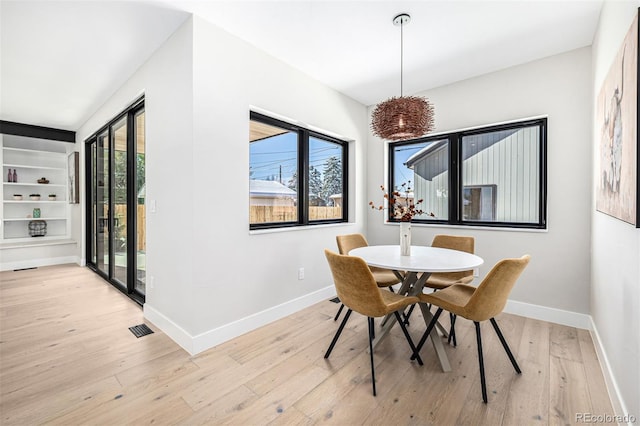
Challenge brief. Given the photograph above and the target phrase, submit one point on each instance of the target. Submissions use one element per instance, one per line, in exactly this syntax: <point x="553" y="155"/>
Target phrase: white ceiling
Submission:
<point x="62" y="59"/>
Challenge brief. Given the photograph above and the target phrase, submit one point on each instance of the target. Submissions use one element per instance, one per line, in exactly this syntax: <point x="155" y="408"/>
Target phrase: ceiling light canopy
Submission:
<point x="404" y="117"/>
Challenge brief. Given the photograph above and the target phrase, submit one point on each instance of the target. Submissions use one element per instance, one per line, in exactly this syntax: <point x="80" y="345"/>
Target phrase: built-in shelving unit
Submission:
<point x="32" y="163"/>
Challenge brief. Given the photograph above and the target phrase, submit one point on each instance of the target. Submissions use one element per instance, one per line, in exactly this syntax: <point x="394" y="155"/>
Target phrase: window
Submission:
<point x="491" y="176"/>
<point x="279" y="194"/>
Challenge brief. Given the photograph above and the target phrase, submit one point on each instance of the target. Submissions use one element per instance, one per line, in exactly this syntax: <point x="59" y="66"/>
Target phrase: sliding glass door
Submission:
<point x="101" y="184"/>
<point x="115" y="211"/>
<point x="120" y="187"/>
<point x="139" y="202"/>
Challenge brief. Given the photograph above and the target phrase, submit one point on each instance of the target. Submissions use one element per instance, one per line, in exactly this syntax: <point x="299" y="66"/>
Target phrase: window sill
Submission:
<point x="298" y="228"/>
<point x="474" y="227"/>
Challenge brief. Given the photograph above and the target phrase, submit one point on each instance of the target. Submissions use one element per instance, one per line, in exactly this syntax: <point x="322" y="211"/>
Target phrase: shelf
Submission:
<point x="50" y="185"/>
<point x="31" y="151"/>
<point x="23" y="219"/>
<point x="32" y="202"/>
<point x="24" y="166"/>
<point x="32" y="165"/>
<point x="13" y="243"/>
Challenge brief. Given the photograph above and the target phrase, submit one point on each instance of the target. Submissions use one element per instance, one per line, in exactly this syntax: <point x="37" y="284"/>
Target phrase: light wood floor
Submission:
<point x="67" y="357"/>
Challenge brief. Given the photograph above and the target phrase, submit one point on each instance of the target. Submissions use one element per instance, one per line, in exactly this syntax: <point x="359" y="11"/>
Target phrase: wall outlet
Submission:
<point x="301" y="274"/>
<point x="151" y="281"/>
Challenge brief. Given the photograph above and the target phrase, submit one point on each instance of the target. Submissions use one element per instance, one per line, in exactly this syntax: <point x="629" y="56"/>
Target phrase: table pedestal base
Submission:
<point x="412" y="285"/>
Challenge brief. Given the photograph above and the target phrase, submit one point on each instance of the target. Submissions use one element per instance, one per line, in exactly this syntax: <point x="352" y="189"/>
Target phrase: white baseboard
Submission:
<point x="201" y="342"/>
<point x="168" y="327"/>
<point x="211" y="338"/>
<point x="583" y="321"/>
<point x="544" y="313"/>
<point x="34" y="263"/>
<point x="619" y="407"/>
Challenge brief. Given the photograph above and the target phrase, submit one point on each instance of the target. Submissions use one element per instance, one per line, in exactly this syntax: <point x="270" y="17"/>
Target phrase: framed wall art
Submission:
<point x="73" y="163"/>
<point x="617" y="121"/>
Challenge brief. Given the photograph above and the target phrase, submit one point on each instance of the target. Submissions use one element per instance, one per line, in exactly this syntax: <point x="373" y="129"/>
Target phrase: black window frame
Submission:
<point x="304" y="134"/>
<point x="455" y="175"/>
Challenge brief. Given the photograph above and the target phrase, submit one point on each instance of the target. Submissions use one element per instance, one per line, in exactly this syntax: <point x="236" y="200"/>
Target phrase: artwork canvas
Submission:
<point x="73" y="163"/>
<point x="617" y="118"/>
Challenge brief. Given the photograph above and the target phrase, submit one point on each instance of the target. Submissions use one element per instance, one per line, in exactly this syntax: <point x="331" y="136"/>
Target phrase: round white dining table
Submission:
<point x="422" y="259"/>
<point x="414" y="270"/>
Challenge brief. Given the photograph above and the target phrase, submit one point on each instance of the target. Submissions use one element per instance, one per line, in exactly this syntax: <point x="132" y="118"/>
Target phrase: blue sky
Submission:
<point x="402" y="153"/>
<point x="268" y="157"/>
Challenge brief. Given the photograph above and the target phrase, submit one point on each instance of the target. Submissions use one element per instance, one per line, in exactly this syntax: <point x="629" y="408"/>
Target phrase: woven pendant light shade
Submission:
<point x="406" y="117"/>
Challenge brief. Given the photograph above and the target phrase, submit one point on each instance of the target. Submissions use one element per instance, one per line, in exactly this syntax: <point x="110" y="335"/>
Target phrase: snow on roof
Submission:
<point x="270" y="188"/>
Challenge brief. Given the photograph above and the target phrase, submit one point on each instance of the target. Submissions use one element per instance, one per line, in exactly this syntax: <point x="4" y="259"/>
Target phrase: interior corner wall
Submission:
<point x="208" y="278"/>
<point x="166" y="80"/>
<point x="615" y="290"/>
<point x="560" y="88"/>
<point x="244" y="279"/>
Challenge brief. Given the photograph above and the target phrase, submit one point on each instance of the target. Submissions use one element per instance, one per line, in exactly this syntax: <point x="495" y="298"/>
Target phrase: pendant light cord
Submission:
<point x="401" y="56"/>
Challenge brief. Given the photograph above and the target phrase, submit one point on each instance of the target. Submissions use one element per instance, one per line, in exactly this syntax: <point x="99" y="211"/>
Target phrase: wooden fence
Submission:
<point x="121" y="216"/>
<point x="258" y="214"/>
<point x="267" y="214"/>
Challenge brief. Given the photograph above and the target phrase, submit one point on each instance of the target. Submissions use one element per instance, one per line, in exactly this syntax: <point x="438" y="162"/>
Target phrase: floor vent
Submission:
<point x="335" y="300"/>
<point x="25" y="269"/>
<point x="140" y="330"/>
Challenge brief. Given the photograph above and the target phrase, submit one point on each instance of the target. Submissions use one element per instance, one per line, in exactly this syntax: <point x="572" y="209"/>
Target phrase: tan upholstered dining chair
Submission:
<point x="479" y="304"/>
<point x="358" y="291"/>
<point x="383" y="277"/>
<point x="442" y="280"/>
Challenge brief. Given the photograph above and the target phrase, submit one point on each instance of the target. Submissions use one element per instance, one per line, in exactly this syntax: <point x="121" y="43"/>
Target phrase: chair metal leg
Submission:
<point x="406" y="335"/>
<point x="452" y="329"/>
<point x="339" y="312"/>
<point x="373" y="373"/>
<point x="433" y="322"/>
<point x="505" y="346"/>
<point x="373" y="330"/>
<point x="408" y="314"/>
<point x="335" y="338"/>
<point x="481" y="362"/>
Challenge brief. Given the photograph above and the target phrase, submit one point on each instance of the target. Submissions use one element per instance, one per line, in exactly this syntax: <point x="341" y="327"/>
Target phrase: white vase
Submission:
<point x="405" y="238"/>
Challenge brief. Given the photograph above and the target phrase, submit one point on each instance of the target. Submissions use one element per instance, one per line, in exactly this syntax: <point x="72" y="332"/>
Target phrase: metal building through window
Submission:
<point x="490" y="176"/>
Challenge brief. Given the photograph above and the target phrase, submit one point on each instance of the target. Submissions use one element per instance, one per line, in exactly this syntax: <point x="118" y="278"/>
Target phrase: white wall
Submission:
<point x="236" y="273"/>
<point x="213" y="279"/>
<point x="559" y="87"/>
<point x="167" y="82"/>
<point x="615" y="292"/>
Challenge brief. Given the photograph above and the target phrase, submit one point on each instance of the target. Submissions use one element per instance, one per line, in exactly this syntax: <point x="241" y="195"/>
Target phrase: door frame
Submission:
<point x="128" y="288"/>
